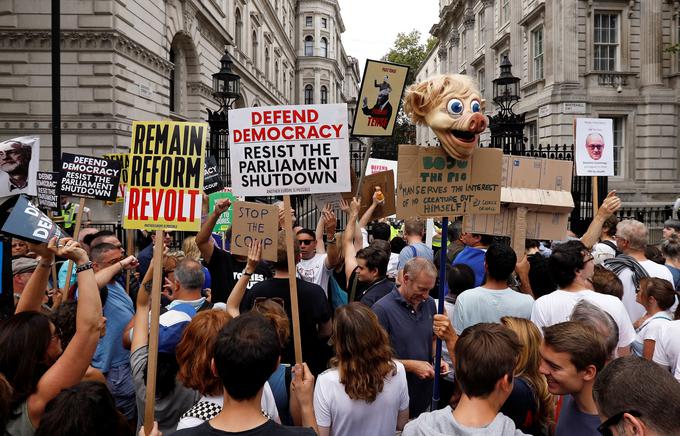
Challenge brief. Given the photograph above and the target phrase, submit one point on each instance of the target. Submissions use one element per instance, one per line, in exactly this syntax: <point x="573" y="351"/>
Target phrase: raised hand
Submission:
<point x="68" y="248"/>
<point x="254" y="256"/>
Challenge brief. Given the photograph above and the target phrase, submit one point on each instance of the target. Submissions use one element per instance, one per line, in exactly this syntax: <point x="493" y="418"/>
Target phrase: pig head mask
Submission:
<point x="453" y="108"/>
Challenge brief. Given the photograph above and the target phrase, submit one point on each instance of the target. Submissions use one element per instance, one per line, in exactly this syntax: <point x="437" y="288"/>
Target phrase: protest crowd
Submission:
<point x="572" y="337"/>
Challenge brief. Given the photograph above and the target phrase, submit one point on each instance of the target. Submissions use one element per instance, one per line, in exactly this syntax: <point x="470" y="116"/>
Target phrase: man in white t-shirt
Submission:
<point x="571" y="267"/>
<point x="667" y="349"/>
<point x="314" y="267"/>
<point x="494" y="299"/>
<point x="606" y="248"/>
<point x="631" y="239"/>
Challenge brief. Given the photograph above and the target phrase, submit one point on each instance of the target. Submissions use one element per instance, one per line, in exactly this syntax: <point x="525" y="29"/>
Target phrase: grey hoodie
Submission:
<point x="441" y="422"/>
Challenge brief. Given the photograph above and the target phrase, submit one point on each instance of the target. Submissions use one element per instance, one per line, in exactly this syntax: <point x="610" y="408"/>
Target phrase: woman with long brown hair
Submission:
<point x="530" y="405"/>
<point x="365" y="391"/>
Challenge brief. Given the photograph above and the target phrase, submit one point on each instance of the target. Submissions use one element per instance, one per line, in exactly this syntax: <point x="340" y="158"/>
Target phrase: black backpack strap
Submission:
<point x="611" y="245"/>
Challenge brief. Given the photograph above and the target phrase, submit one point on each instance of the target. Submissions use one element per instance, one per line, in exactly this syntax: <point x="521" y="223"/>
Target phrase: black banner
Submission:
<point x="89" y="177"/>
<point x="48" y="190"/>
<point x="212" y="181"/>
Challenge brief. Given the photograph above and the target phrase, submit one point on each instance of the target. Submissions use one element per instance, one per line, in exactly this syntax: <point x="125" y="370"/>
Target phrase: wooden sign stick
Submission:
<point x="69" y="267"/>
<point x="153" y="333"/>
<point x="288" y="223"/>
<point x="130" y="249"/>
<point x="595" y="197"/>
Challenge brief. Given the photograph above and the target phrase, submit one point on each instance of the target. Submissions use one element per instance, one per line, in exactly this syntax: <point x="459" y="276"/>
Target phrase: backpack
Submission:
<point x="613" y="246"/>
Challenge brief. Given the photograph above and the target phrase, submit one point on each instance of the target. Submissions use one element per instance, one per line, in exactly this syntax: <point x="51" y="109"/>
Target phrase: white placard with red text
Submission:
<point x="289" y="150"/>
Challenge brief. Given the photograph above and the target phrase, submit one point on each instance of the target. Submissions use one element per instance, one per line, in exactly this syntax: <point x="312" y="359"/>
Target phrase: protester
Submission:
<point x="539" y="278"/>
<point x="85" y="236"/>
<point x="314" y="310"/>
<point x="67" y="214"/>
<point x="31" y="355"/>
<point x="494" y="299"/>
<point x="315" y="267"/>
<point x="194" y="352"/>
<point x="571" y="267"/>
<point x="634" y="396"/>
<point x="246" y="354"/>
<point x="407" y="315"/>
<point x="657" y="296"/>
<point x="460" y="278"/>
<point x="606" y="282"/>
<point x="455" y="245"/>
<point x="485" y="358"/>
<point x="473" y="253"/>
<point x="88" y="409"/>
<point x="667" y="347"/>
<point x="631" y="238"/>
<point x="414" y="233"/>
<point x="671" y="250"/>
<point x="146" y="254"/>
<point x="572" y="354"/>
<point x="382" y="231"/>
<point x="529" y="405"/>
<point x="5" y="401"/>
<point x="186" y="286"/>
<point x="606" y="248"/>
<point x="671" y="227"/>
<point x="364" y="385"/>
<point x="19" y="248"/>
<point x="597" y="319"/>
<point x="22" y="270"/>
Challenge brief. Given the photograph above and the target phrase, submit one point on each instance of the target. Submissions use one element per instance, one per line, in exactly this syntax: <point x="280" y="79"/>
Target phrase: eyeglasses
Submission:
<point x="305" y="241"/>
<point x="260" y="300"/>
<point x="587" y="258"/>
<point x="595" y="146"/>
<point x="615" y="419"/>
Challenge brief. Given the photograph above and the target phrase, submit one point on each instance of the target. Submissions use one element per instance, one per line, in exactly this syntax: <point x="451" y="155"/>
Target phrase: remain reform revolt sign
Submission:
<point x="289" y="149"/>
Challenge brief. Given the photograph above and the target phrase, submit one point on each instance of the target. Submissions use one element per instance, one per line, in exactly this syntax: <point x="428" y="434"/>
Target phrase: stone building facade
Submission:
<point x="126" y="60"/>
<point x="579" y="58"/>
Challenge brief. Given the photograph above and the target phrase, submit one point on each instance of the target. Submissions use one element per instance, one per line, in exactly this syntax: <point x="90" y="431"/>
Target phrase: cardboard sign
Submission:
<point x="431" y="183"/>
<point x="124" y="159"/>
<point x="289" y="149"/>
<point x="385" y="180"/>
<point x="47" y="189"/>
<point x="27" y="222"/>
<point x="19" y="160"/>
<point x="224" y="221"/>
<point x="213" y="180"/>
<point x="166" y="176"/>
<point x="594" y="144"/>
<point x="255" y="221"/>
<point x="379" y="98"/>
<point x="332" y="199"/>
<point x="89" y="177"/>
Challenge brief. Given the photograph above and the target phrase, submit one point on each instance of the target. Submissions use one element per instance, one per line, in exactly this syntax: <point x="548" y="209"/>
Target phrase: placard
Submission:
<point x="48" y="190"/>
<point x="166" y="176"/>
<point x="27" y="222"/>
<point x="594" y="144"/>
<point x="224" y="221"/>
<point x="213" y="179"/>
<point x="385" y="180"/>
<point x="289" y="149"/>
<point x="255" y="221"/>
<point x="124" y="159"/>
<point x="89" y="177"/>
<point x="379" y="98"/>
<point x="19" y="160"/>
<point x="431" y="183"/>
<point x="332" y="199"/>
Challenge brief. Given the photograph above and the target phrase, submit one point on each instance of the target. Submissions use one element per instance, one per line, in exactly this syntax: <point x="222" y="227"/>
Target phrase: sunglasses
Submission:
<point x="613" y="420"/>
<point x="305" y="241"/>
<point x="596" y="146"/>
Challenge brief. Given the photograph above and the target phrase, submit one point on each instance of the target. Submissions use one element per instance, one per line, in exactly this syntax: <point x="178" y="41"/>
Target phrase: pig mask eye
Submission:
<point x="455" y="107"/>
<point x="475" y="106"/>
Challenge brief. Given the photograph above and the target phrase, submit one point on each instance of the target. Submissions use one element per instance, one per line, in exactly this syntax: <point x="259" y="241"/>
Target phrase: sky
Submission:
<point x="372" y="25"/>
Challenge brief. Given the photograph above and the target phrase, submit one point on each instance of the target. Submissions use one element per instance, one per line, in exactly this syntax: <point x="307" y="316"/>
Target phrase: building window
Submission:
<point x="531" y="133"/>
<point x="267" y="63"/>
<point x="324" y="23"/>
<point x="537" y="53"/>
<point x="309" y="46"/>
<point x="481" y="26"/>
<point x="172" y="81"/>
<point x="239" y="30"/>
<point x="254" y="49"/>
<point x="276" y="74"/>
<point x="324" y="95"/>
<point x="505" y="54"/>
<point x="309" y="94"/>
<point x="324" y="47"/>
<point x="463" y="43"/>
<point x="308" y="21"/>
<point x="619" y="124"/>
<point x="481" y="79"/>
<point x="606" y="41"/>
<point x="505" y="11"/>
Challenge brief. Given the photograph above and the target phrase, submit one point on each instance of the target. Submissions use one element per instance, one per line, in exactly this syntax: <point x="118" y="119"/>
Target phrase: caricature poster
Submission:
<point x="594" y="144"/>
<point x="379" y="98"/>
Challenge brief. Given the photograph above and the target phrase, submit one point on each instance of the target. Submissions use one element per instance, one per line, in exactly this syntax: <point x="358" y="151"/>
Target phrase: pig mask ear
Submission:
<point x="417" y="101"/>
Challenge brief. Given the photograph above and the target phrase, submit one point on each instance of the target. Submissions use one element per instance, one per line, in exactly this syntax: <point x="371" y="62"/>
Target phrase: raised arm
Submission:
<point x="330" y="225"/>
<point x="320" y="246"/>
<point x="366" y="217"/>
<point x="33" y="293"/>
<point x="609" y="207"/>
<point x="104" y="276"/>
<point x="348" y="236"/>
<point x="236" y="296"/>
<point x="71" y="366"/>
<point x="140" y="332"/>
<point x="204" y="236"/>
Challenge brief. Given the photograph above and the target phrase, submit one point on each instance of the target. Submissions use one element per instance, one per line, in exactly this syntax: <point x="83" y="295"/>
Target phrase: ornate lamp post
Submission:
<point x="226" y="90"/>
<point x="507" y="127"/>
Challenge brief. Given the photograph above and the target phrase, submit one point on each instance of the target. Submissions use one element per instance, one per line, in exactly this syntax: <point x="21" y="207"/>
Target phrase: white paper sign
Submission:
<point x="594" y="144"/>
<point x="19" y="159"/>
<point x="289" y="150"/>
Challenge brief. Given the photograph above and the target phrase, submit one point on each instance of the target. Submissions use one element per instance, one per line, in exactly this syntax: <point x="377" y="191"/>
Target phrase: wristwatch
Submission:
<point x="84" y="267"/>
